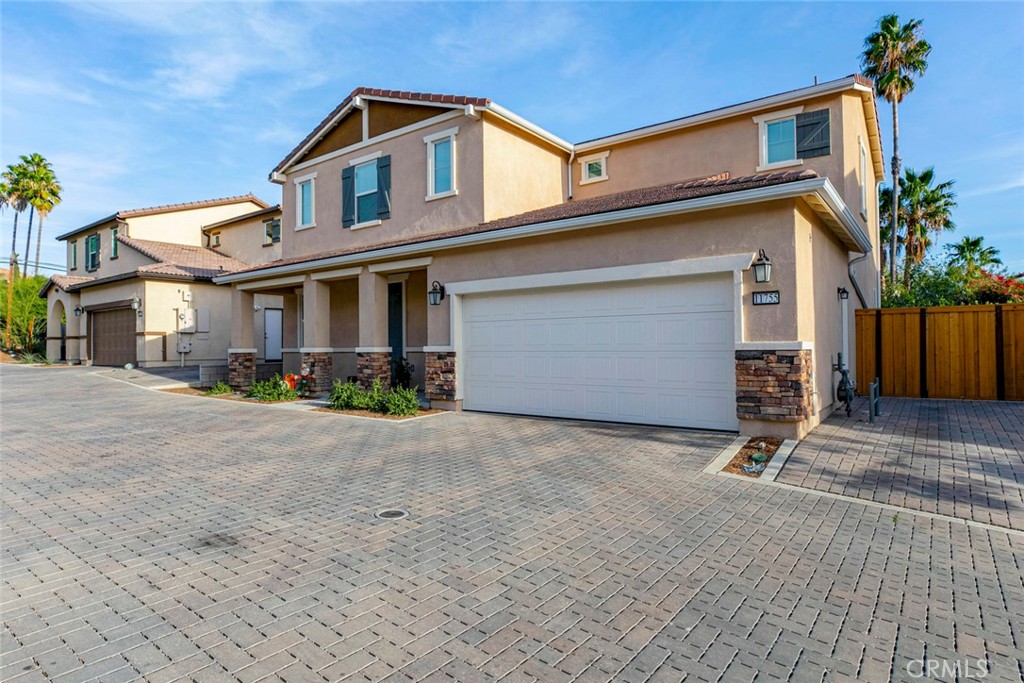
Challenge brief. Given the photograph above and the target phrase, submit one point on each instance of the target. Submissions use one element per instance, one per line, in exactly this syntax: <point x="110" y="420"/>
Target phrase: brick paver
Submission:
<point x="958" y="458"/>
<point x="162" y="537"/>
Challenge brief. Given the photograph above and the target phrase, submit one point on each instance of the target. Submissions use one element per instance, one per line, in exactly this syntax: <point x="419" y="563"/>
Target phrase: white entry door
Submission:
<point x="651" y="352"/>
<point x="273" y="332"/>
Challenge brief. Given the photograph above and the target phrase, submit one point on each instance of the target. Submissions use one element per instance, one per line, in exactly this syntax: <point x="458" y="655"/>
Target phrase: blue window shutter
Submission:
<point x="348" y="197"/>
<point x="384" y="187"/>
<point x="812" y="134"/>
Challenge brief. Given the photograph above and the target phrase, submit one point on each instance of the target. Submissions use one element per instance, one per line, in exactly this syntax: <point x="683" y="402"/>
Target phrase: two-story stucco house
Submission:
<point x="139" y="284"/>
<point x="614" y="279"/>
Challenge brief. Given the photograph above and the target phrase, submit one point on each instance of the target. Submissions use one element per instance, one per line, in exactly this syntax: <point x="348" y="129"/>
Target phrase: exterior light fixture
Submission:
<point x="136" y="303"/>
<point x="762" y="267"/>
<point x="79" y="311"/>
<point x="844" y="293"/>
<point x="256" y="308"/>
<point x="436" y="294"/>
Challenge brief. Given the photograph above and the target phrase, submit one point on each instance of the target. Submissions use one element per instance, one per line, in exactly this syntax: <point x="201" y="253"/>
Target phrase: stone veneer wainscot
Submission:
<point x="773" y="385"/>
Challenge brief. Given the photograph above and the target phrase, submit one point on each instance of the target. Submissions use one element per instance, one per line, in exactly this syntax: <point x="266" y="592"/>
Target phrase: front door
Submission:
<point x="396" y="322"/>
<point x="273" y="330"/>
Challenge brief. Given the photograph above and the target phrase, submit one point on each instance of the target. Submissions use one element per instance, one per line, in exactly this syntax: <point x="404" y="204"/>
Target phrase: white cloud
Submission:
<point x="16" y="86"/>
<point x="1011" y="184"/>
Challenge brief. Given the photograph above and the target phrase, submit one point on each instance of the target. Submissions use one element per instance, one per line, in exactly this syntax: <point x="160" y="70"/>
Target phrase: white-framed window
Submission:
<point x="113" y="243"/>
<point x="215" y="239"/>
<point x="863" y="178"/>
<point x="777" y="139"/>
<point x="594" y="168"/>
<point x="366" y="192"/>
<point x="271" y="232"/>
<point x="74" y="254"/>
<point x="305" y="202"/>
<point x="441" y="164"/>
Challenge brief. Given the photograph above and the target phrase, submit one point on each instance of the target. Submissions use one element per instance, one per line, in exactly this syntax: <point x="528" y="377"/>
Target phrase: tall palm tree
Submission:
<point x="44" y="193"/>
<point x="14" y="182"/>
<point x="971" y="255"/>
<point x="35" y="167"/>
<point x="927" y="210"/>
<point x="894" y="56"/>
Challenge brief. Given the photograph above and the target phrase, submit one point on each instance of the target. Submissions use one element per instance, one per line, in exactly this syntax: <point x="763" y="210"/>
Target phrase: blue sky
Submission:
<point x="138" y="104"/>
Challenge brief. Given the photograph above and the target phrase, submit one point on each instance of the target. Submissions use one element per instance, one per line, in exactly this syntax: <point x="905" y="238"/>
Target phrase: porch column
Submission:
<point x="373" y="355"/>
<point x="316" y="333"/>
<point x="242" y="353"/>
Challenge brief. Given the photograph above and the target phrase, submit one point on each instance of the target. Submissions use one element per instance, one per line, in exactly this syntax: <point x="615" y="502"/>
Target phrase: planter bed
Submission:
<point x="379" y="416"/>
<point x="771" y="446"/>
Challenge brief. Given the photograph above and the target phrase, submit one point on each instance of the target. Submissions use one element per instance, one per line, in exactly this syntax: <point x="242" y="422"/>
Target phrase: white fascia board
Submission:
<point x="724" y="113"/>
<point x="761" y="194"/>
<point x="337" y="274"/>
<point x="407" y="264"/>
<point x="519" y="122"/>
<point x="269" y="284"/>
<point x="845" y="217"/>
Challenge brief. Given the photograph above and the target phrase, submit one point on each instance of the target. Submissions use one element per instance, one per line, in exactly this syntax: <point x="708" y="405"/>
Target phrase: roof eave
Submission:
<point x="90" y="226"/>
<point x="843" y="222"/>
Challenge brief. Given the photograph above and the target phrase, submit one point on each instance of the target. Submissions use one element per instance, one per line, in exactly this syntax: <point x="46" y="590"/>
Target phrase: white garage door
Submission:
<point x="655" y="352"/>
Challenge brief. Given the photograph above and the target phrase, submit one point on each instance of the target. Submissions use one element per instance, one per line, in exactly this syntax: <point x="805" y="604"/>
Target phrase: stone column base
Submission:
<point x="241" y="369"/>
<point x="439" y="376"/>
<point x="774" y="388"/>
<point x="321" y="365"/>
<point x="371" y="365"/>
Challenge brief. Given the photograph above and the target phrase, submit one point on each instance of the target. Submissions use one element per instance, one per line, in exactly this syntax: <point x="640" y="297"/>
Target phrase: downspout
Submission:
<point x="572" y="157"/>
<point x="853" y="278"/>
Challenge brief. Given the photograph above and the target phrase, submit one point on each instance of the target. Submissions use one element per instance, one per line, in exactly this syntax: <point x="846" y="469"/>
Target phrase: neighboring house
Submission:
<point x="606" y="280"/>
<point x="139" y="285"/>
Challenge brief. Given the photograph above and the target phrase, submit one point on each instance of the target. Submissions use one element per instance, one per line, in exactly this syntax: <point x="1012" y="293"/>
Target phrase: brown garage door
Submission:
<point x="113" y="337"/>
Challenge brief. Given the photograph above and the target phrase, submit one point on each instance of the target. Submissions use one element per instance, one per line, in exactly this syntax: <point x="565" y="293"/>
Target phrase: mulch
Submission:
<point x="771" y="445"/>
<point x="379" y="416"/>
<point x="192" y="391"/>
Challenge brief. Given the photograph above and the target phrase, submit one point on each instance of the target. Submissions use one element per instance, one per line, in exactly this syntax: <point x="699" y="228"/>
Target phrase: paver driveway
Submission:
<point x="159" y="537"/>
<point x="959" y="458"/>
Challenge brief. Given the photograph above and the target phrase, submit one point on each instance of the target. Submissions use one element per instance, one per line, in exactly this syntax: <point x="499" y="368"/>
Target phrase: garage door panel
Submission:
<point x="649" y="352"/>
<point x="113" y="337"/>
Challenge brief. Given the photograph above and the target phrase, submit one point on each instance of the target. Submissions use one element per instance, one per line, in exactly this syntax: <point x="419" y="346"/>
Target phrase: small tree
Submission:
<point x="24" y="321"/>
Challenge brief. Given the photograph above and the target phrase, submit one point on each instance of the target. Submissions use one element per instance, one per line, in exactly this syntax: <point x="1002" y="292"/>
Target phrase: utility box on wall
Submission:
<point x="187" y="320"/>
<point x="184" y="345"/>
<point x="202" y="320"/>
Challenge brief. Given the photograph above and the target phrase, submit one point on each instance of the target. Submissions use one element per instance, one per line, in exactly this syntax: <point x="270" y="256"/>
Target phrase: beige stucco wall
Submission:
<point x="127" y="258"/>
<point x="713" y="233"/>
<point x="730" y="145"/>
<point x="185" y="227"/>
<point x="520" y="172"/>
<point x="244" y="240"/>
<point x="411" y="214"/>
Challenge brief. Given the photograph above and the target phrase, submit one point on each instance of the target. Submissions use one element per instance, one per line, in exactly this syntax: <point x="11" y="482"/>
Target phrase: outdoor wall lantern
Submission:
<point x="136" y="303"/>
<point x="762" y="268"/>
<point x="844" y="293"/>
<point x="436" y="294"/>
<point x="79" y="311"/>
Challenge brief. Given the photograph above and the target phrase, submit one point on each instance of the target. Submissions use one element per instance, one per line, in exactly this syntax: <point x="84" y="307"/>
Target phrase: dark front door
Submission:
<point x="396" y="322"/>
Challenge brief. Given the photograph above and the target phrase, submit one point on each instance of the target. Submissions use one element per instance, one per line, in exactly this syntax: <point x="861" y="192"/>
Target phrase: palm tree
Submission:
<point x="971" y="255"/>
<point x="14" y="196"/>
<point x="927" y="211"/>
<point x="43" y="192"/>
<point x="35" y="164"/>
<point x="44" y="195"/>
<point x="893" y="56"/>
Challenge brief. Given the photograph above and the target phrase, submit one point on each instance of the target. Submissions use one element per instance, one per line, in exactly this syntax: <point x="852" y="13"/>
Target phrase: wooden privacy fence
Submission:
<point x="943" y="352"/>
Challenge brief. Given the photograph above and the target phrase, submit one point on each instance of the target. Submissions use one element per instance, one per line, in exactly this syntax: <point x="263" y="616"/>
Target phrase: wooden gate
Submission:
<point x="943" y="352"/>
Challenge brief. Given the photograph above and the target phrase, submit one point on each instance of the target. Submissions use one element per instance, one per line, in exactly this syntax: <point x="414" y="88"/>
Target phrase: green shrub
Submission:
<point x="350" y="396"/>
<point x="34" y="359"/>
<point x="219" y="389"/>
<point x="347" y="396"/>
<point x="273" y="389"/>
<point x="401" y="401"/>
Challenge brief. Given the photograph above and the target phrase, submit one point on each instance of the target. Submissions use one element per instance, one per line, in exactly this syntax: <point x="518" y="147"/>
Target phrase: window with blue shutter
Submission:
<point x="384" y="188"/>
<point x="348" y="197"/>
<point x="366" y="192"/>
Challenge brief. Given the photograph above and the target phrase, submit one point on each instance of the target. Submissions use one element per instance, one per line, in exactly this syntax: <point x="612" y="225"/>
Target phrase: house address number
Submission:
<point x="765" y="298"/>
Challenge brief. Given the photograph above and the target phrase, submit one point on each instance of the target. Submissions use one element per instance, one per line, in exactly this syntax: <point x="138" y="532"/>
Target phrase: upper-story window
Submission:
<point x="863" y="178"/>
<point x="789" y="136"/>
<point x="215" y="239"/>
<point x="92" y="252"/>
<point x="441" y="164"/>
<point x="305" y="202"/>
<point x="113" y="243"/>
<point x="74" y="254"/>
<point x="271" y="232"/>
<point x="594" y="168"/>
<point x="366" y="191"/>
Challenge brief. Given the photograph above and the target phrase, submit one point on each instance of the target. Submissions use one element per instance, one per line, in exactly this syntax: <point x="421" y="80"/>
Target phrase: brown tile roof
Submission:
<point x="63" y="282"/>
<point x="630" y="199"/>
<point x="182" y="260"/>
<point x="427" y="98"/>
<point x="167" y="208"/>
